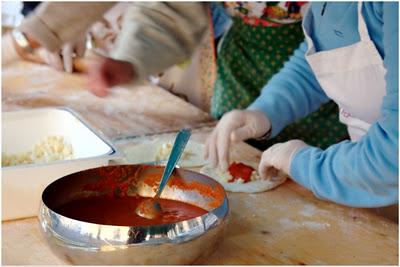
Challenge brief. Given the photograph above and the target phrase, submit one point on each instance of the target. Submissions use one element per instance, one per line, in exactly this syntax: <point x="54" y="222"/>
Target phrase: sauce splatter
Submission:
<point x="115" y="180"/>
<point x="216" y="194"/>
<point x="109" y="210"/>
<point x="240" y="171"/>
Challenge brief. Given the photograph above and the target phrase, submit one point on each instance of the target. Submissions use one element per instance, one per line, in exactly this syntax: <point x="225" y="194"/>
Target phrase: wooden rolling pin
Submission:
<point x="81" y="65"/>
<point x="10" y="55"/>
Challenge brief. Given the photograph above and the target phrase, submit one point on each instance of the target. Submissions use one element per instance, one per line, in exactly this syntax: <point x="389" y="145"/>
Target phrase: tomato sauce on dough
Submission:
<point x="240" y="171"/>
<point x="110" y="210"/>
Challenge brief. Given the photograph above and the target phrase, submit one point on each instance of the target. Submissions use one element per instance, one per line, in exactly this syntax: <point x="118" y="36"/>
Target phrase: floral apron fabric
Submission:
<point x="261" y="39"/>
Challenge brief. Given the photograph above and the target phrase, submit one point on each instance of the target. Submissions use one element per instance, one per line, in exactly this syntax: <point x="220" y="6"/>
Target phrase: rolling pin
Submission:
<point x="80" y="65"/>
<point x="10" y="55"/>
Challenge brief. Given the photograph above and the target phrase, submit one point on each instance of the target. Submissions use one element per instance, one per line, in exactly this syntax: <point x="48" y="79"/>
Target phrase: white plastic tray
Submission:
<point x="22" y="185"/>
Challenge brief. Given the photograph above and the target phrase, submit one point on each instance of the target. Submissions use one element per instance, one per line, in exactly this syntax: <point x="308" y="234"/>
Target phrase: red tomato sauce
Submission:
<point x="240" y="171"/>
<point x="119" y="180"/>
<point x="110" y="210"/>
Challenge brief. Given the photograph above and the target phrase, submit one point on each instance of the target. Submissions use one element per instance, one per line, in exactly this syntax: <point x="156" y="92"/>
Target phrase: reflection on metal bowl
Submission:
<point x="84" y="243"/>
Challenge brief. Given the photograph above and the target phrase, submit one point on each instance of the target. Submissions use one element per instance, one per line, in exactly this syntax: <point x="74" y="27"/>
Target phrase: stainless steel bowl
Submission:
<point x="84" y="243"/>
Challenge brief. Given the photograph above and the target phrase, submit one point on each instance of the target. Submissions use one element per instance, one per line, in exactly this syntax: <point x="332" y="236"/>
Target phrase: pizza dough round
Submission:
<point x="149" y="151"/>
<point x="254" y="186"/>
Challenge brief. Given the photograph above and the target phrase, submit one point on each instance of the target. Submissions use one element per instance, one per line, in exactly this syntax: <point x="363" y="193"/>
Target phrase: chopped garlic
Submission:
<point x="254" y="176"/>
<point x="225" y="177"/>
<point x="239" y="181"/>
<point x="49" y="149"/>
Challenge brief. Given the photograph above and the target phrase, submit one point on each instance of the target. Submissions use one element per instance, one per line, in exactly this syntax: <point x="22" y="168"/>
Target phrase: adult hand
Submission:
<point x="234" y="126"/>
<point x="279" y="157"/>
<point x="64" y="60"/>
<point x="11" y="51"/>
<point x="104" y="73"/>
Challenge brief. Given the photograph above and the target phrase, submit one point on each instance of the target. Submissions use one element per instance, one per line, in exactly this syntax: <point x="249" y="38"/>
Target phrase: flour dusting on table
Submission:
<point x="287" y="223"/>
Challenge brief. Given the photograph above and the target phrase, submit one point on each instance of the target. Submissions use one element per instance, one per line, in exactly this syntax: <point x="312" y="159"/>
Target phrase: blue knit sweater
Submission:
<point x="362" y="173"/>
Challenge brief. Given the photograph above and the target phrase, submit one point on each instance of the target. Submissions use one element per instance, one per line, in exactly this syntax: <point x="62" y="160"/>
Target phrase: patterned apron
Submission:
<point x="261" y="39"/>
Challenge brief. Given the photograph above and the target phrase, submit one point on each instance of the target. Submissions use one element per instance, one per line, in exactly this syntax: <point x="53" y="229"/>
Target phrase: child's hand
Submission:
<point x="104" y="73"/>
<point x="279" y="157"/>
<point x="234" y="126"/>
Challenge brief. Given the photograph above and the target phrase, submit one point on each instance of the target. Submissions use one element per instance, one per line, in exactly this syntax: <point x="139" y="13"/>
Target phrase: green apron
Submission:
<point x="249" y="56"/>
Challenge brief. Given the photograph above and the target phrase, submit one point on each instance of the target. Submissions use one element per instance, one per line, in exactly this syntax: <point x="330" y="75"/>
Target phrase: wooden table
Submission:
<point x="287" y="225"/>
<point x="127" y="111"/>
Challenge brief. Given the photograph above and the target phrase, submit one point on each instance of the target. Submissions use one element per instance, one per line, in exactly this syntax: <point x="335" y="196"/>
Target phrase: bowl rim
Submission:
<point x="63" y="228"/>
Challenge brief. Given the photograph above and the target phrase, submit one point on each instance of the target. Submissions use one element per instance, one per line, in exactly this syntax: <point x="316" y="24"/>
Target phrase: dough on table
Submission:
<point x="159" y="150"/>
<point x="256" y="185"/>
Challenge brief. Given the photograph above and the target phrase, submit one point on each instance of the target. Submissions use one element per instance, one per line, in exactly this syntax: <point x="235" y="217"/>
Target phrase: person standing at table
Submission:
<point x="350" y="56"/>
<point x="183" y="26"/>
<point x="261" y="38"/>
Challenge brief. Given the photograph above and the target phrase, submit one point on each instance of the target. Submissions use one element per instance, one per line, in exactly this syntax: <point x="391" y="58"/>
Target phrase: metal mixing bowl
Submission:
<point x="84" y="243"/>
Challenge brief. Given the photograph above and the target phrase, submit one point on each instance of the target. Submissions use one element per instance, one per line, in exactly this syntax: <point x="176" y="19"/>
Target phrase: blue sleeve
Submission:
<point x="221" y="20"/>
<point x="363" y="173"/>
<point x="291" y="94"/>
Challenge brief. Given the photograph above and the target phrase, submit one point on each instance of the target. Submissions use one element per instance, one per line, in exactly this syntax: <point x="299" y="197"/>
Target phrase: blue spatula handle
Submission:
<point x="177" y="149"/>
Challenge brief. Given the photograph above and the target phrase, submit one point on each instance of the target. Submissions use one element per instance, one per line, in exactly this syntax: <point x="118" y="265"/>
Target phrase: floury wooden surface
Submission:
<point x="287" y="225"/>
<point x="127" y="111"/>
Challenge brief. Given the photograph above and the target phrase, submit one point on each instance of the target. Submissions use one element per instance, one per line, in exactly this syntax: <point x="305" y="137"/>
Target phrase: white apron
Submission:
<point x="352" y="76"/>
